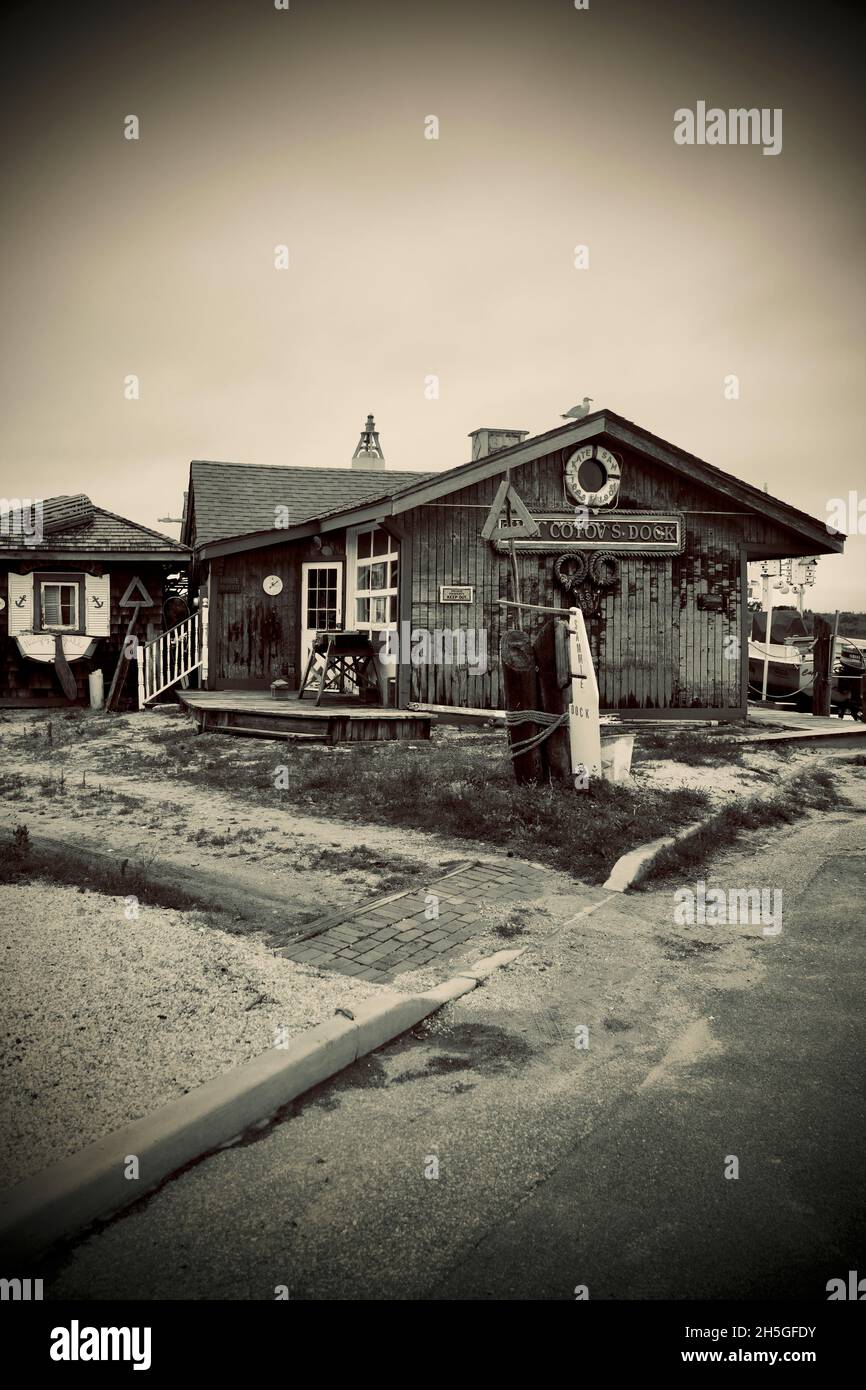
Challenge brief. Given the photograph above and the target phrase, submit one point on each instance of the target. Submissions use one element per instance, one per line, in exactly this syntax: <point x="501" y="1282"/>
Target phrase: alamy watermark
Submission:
<point x="715" y="907"/>
<point x="418" y="646"/>
<point x="738" y="126"/>
<point x="21" y="518"/>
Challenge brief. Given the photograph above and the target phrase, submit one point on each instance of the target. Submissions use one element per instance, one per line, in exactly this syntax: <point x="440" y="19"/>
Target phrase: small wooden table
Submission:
<point x="346" y="657"/>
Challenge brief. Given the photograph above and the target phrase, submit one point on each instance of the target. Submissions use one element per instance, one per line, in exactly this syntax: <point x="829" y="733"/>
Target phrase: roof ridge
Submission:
<point x="138" y="526"/>
<point x="310" y="468"/>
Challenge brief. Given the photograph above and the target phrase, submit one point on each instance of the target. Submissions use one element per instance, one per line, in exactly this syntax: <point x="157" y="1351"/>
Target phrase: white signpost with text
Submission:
<point x="584" y="727"/>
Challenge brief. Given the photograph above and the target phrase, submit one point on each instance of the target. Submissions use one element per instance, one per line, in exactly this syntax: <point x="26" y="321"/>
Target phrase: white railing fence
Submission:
<point x="168" y="658"/>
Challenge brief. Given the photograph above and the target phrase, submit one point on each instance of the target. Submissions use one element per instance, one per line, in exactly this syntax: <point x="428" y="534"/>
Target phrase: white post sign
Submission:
<point x="584" y="727"/>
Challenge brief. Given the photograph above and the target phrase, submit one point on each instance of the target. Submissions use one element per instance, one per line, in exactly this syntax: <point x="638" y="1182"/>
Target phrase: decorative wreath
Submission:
<point x="604" y="570"/>
<point x="571" y="570"/>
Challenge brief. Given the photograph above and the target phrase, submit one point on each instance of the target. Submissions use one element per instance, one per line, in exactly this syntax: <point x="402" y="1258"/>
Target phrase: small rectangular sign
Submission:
<point x="456" y="593"/>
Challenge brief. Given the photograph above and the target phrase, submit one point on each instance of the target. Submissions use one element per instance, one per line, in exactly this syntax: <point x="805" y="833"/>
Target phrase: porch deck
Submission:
<point x="257" y="714"/>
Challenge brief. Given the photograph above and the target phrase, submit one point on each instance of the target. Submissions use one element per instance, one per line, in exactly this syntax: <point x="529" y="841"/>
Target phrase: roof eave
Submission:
<point x="170" y="557"/>
<point x="333" y="521"/>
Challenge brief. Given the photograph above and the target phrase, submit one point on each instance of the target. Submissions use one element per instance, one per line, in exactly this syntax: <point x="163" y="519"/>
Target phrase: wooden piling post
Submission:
<point x="821" y="673"/>
<point x="554" y="685"/>
<point x="520" y="682"/>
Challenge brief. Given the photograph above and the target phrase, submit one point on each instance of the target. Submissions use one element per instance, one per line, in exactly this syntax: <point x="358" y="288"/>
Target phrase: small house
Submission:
<point x="650" y="541"/>
<point x="75" y="582"/>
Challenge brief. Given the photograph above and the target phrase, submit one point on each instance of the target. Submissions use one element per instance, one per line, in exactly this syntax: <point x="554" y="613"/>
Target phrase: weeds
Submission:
<point x="699" y="748"/>
<point x="815" y="790"/>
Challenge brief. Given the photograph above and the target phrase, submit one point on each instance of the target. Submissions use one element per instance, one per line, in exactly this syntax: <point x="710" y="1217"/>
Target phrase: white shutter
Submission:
<point x="20" y="603"/>
<point x="97" y="602"/>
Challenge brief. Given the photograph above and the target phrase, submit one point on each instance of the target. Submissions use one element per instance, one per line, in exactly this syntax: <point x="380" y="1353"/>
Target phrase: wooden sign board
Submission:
<point x="617" y="533"/>
<point x="584" y="725"/>
<point x="456" y="593"/>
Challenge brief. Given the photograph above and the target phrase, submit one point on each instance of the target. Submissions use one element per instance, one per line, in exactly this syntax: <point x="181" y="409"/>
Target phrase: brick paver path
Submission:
<point x="408" y="930"/>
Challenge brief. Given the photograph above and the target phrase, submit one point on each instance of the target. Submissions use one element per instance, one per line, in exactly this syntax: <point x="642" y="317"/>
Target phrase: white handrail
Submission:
<point x="169" y="657"/>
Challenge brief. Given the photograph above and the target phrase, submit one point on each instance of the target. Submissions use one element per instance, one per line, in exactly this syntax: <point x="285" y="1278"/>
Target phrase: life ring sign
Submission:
<point x="592" y="476"/>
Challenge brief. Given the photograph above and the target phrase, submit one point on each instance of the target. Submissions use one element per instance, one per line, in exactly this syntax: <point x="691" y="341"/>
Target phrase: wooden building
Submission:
<point x="651" y="542"/>
<point x="75" y="579"/>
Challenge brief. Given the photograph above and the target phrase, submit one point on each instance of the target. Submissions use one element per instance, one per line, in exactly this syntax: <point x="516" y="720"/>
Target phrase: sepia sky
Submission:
<point x="412" y="257"/>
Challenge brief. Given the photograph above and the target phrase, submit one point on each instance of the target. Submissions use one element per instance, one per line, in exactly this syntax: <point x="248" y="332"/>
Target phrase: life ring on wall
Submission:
<point x="571" y="579"/>
<point x="604" y="570"/>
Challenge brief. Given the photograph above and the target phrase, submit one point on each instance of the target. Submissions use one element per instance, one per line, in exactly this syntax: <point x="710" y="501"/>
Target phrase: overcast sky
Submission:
<point x="412" y="257"/>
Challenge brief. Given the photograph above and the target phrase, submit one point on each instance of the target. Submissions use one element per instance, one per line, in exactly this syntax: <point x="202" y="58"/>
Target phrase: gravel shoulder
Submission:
<point x="105" y="1018"/>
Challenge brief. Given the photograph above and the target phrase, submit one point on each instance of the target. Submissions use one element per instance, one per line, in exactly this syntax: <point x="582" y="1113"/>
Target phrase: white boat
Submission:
<point x="40" y="646"/>
<point x="789" y="671"/>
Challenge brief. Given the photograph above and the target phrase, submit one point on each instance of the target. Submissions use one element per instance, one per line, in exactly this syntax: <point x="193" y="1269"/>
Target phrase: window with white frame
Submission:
<point x="374" y="580"/>
<point x="58" y="606"/>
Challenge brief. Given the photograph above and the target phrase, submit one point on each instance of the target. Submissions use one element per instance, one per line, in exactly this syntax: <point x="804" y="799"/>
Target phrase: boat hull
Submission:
<point x="39" y="646"/>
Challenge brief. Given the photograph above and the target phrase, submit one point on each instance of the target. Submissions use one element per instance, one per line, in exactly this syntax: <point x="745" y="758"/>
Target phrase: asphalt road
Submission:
<point x="561" y="1167"/>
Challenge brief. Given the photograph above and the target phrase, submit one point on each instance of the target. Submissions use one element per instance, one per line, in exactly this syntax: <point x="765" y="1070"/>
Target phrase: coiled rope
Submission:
<point x="549" y="722"/>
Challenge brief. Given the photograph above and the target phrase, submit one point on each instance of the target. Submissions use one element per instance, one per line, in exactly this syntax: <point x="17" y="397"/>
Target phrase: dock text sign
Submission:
<point x="619" y="533"/>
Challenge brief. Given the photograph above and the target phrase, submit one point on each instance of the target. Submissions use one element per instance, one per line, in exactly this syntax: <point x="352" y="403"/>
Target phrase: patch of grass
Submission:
<point x="11" y="785"/>
<point x="120" y="802"/>
<point x="515" y="924"/>
<point x="63" y="729"/>
<point x="698" y="747"/>
<point x="815" y="790"/>
<point x="442" y="786"/>
<point x="27" y="863"/>
<point x="858" y="760"/>
<point x="684" y="950"/>
<point x="53" y="786"/>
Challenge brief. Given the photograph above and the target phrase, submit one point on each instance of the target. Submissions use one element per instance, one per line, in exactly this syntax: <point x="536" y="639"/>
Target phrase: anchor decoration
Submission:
<point x="585" y="577"/>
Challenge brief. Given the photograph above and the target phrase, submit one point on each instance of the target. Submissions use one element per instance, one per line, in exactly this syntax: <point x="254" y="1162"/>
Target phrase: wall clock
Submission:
<point x="592" y="476"/>
<point x="272" y="584"/>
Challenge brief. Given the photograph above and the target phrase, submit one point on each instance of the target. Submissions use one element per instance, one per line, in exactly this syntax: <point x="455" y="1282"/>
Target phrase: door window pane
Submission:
<point x="322" y="590"/>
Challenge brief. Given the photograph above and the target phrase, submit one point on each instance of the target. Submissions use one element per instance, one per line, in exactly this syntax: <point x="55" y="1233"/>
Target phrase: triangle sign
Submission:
<point x="136" y="595"/>
<point x="518" y="522"/>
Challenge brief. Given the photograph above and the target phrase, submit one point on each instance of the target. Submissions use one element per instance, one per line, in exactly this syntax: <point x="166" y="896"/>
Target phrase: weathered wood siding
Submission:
<point x="653" y="647"/>
<point x="254" y="637"/>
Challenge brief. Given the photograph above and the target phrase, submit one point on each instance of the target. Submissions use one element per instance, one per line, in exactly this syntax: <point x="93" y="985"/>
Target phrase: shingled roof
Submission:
<point x="230" y="502"/>
<point x="236" y="499"/>
<point x="74" y="526"/>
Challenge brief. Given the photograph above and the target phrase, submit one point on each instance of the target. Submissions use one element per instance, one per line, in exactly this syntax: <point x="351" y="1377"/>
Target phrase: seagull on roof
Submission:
<point x="577" y="412"/>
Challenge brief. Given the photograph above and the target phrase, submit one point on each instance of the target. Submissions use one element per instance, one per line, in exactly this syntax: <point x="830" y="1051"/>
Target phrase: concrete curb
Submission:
<point x="90" y="1186"/>
<point x="632" y="867"/>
